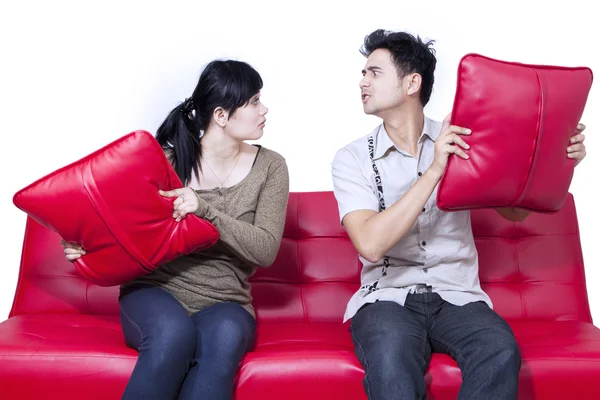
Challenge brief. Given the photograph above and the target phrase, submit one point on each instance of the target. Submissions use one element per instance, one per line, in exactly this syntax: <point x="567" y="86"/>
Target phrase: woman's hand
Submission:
<point x="186" y="202"/>
<point x="73" y="251"/>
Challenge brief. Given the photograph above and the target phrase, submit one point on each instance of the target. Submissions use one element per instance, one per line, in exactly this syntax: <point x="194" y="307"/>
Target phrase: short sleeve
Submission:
<point x="351" y="188"/>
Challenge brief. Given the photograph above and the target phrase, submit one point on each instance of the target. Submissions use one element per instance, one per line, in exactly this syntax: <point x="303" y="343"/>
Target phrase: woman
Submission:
<point x="192" y="319"/>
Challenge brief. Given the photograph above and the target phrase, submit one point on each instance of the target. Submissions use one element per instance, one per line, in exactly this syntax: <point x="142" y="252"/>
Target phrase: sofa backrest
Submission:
<point x="533" y="269"/>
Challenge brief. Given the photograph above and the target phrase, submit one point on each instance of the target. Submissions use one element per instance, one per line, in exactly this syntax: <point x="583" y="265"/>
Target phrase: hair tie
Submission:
<point x="187" y="106"/>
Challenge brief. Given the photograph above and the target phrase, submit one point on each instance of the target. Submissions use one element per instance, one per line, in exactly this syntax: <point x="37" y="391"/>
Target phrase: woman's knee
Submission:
<point x="169" y="339"/>
<point x="227" y="330"/>
<point x="154" y="320"/>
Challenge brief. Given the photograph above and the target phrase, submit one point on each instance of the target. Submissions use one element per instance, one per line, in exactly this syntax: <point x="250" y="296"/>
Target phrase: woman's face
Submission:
<point x="247" y="122"/>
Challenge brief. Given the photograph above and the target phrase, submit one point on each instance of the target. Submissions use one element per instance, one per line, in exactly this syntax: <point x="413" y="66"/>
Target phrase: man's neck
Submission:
<point x="404" y="127"/>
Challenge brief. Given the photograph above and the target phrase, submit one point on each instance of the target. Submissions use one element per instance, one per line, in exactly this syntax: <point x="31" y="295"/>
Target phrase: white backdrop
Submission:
<point x="75" y="76"/>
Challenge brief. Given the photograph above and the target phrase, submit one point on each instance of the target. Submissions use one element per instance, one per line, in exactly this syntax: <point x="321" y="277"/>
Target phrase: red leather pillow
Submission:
<point x="109" y="203"/>
<point x="522" y="117"/>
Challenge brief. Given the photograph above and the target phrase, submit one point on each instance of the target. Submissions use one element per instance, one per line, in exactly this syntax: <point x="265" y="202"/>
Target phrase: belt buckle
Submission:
<point x="422" y="288"/>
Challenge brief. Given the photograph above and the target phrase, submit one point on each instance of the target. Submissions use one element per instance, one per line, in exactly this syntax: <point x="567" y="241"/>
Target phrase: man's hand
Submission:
<point x="449" y="142"/>
<point x="576" y="149"/>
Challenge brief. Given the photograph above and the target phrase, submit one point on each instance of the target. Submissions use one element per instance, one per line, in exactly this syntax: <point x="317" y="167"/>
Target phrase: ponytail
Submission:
<point x="180" y="132"/>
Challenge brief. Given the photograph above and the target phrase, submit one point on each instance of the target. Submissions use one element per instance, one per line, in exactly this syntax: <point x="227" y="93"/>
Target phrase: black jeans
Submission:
<point x="394" y="345"/>
<point x="183" y="356"/>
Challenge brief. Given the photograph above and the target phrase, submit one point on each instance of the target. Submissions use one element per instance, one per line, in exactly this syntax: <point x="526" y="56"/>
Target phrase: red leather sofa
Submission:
<point x="63" y="339"/>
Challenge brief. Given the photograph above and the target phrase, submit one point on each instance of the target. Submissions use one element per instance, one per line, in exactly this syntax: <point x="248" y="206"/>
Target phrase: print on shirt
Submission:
<point x="386" y="260"/>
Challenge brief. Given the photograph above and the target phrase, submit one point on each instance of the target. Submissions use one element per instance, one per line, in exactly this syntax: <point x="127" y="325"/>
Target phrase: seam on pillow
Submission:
<point x="538" y="142"/>
<point x="97" y="202"/>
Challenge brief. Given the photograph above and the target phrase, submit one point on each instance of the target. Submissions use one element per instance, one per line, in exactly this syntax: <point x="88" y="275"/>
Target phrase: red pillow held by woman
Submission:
<point x="108" y="202"/>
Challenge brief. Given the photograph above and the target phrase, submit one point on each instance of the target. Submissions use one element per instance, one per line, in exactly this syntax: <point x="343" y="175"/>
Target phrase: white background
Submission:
<point x="75" y="76"/>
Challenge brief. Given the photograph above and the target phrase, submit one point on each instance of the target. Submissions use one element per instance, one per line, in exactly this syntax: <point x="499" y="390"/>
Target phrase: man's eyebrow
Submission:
<point x="372" y="68"/>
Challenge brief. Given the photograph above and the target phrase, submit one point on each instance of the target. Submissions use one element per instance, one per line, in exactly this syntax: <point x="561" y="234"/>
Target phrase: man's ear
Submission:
<point x="413" y="82"/>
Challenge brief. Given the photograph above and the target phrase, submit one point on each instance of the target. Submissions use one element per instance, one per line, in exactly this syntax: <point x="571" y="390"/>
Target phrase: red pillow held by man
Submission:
<point x="522" y="117"/>
<point x="109" y="203"/>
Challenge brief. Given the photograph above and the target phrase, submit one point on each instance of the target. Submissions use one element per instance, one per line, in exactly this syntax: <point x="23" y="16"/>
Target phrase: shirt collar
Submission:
<point x="383" y="142"/>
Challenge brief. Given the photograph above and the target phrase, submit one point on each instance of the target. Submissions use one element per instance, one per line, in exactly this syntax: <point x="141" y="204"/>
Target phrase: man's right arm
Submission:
<point x="374" y="233"/>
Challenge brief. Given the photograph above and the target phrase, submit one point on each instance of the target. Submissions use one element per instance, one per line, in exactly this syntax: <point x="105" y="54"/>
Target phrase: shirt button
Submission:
<point x="423" y="243"/>
<point x="420" y="173"/>
<point x="425" y="270"/>
<point x="423" y="209"/>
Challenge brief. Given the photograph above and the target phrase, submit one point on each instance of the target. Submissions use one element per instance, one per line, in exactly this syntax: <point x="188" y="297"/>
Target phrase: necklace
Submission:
<point x="230" y="172"/>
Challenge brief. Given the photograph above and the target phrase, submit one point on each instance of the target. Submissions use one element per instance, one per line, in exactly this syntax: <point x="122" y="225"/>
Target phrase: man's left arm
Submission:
<point x="576" y="150"/>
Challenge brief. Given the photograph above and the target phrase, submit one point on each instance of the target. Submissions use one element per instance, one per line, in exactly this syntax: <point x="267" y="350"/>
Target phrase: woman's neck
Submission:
<point x="218" y="146"/>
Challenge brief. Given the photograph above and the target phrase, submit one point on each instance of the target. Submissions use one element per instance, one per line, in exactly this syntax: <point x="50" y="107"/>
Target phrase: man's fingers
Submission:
<point x="460" y="130"/>
<point x="578" y="138"/>
<point x="455" y="139"/>
<point x="576" y="147"/>
<point x="458" y="151"/>
<point x="578" y="155"/>
<point x="459" y="141"/>
<point x="453" y="129"/>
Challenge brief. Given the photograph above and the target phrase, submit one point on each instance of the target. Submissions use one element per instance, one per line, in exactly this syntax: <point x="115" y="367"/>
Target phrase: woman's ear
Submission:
<point x="220" y="116"/>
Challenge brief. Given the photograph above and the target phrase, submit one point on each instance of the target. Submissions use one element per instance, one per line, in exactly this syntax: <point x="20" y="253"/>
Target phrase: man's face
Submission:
<point x="380" y="86"/>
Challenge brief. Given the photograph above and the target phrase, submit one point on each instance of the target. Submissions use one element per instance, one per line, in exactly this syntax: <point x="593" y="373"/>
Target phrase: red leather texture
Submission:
<point x="522" y="117"/>
<point x="63" y="339"/>
<point x="109" y="203"/>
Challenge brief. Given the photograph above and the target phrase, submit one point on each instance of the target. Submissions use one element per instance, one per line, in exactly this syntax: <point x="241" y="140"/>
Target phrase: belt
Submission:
<point x="422" y="288"/>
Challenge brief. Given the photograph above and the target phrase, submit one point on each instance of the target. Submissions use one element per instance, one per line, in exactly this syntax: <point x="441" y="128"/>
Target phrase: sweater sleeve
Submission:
<point x="258" y="243"/>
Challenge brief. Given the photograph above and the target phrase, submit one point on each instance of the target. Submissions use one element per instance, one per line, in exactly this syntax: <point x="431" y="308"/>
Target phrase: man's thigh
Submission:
<point x="474" y="328"/>
<point x="385" y="327"/>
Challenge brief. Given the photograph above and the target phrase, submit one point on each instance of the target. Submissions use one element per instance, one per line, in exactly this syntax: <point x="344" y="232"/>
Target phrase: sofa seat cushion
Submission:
<point x="87" y="357"/>
<point x="83" y="355"/>
<point x="301" y="361"/>
<point x="561" y="359"/>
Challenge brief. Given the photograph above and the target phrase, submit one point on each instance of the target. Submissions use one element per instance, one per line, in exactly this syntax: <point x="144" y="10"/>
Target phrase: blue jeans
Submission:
<point x="182" y="356"/>
<point x="394" y="345"/>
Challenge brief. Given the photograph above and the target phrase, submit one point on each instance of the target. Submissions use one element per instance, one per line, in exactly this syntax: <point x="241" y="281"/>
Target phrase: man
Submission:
<point x="420" y="290"/>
